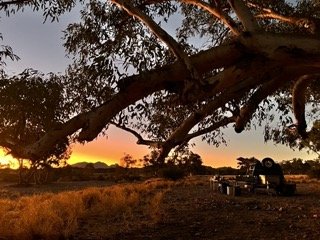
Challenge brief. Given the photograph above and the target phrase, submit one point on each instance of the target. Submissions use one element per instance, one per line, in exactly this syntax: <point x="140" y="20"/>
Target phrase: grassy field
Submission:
<point x="39" y="214"/>
<point x="157" y="209"/>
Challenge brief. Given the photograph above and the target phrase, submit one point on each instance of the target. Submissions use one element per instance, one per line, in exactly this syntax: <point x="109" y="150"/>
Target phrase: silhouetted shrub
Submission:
<point x="172" y="173"/>
<point x="314" y="173"/>
<point x="9" y="175"/>
<point x="101" y="178"/>
<point x="132" y="178"/>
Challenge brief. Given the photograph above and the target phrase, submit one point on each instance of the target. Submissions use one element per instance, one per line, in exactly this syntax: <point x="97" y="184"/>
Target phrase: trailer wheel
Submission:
<point x="267" y="162"/>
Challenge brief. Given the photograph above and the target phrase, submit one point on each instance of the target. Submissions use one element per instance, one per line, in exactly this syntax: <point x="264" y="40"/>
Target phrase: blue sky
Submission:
<point x="39" y="45"/>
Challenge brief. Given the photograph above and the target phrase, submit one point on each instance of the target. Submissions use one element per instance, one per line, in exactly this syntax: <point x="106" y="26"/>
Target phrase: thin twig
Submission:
<point x="141" y="140"/>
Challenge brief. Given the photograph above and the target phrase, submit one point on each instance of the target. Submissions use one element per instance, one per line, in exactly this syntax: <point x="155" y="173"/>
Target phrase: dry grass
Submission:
<point x="200" y="180"/>
<point x="47" y="216"/>
<point x="301" y="178"/>
<point x="158" y="209"/>
<point x="56" y="216"/>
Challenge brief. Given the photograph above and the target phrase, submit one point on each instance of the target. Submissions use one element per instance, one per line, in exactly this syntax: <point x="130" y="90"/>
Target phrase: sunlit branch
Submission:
<point x="245" y="16"/>
<point x="246" y="73"/>
<point x="9" y="145"/>
<point x="298" y="21"/>
<point x="218" y="13"/>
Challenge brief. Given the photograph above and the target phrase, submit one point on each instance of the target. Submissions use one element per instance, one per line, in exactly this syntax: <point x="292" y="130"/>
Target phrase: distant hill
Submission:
<point x="96" y="165"/>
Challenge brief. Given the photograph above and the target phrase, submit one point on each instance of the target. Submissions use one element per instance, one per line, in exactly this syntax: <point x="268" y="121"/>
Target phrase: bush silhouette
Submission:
<point x="172" y="173"/>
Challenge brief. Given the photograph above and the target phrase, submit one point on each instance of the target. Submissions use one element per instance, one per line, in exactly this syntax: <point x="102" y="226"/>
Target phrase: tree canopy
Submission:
<point x="237" y="62"/>
<point x="30" y="106"/>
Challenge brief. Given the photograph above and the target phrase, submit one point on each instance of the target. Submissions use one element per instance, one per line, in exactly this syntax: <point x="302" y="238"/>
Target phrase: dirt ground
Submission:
<point x="194" y="211"/>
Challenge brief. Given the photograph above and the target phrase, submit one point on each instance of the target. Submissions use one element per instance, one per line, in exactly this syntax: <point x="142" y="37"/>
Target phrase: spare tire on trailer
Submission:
<point x="268" y="162"/>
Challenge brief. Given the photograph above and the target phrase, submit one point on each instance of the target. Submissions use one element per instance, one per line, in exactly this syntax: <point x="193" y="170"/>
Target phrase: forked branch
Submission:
<point x="214" y="126"/>
<point x="173" y="142"/>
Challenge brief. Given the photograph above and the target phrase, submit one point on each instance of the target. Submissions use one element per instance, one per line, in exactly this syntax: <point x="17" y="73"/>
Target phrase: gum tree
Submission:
<point x="235" y="62"/>
<point x="30" y="105"/>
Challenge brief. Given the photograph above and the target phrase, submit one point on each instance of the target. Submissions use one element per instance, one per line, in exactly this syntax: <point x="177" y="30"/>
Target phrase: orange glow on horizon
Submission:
<point x="248" y="144"/>
<point x="7" y="160"/>
<point x="108" y="149"/>
<point x="78" y="157"/>
<point x="118" y="143"/>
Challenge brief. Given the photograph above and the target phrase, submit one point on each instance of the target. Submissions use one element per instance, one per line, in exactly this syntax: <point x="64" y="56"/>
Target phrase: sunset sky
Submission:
<point x="40" y="46"/>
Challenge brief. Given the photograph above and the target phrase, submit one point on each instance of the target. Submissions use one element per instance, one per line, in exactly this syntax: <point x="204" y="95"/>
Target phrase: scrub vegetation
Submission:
<point x="235" y="63"/>
<point x="61" y="215"/>
<point x="159" y="209"/>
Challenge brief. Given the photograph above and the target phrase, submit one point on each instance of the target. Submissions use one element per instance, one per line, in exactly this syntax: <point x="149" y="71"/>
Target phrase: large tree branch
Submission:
<point x="255" y="70"/>
<point x="299" y="101"/>
<point x="247" y="79"/>
<point x="287" y="50"/>
<point x="241" y="79"/>
<point x="218" y="13"/>
<point x="158" y="144"/>
<point x="133" y="89"/>
<point x="245" y="16"/>
<point x="142" y="85"/>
